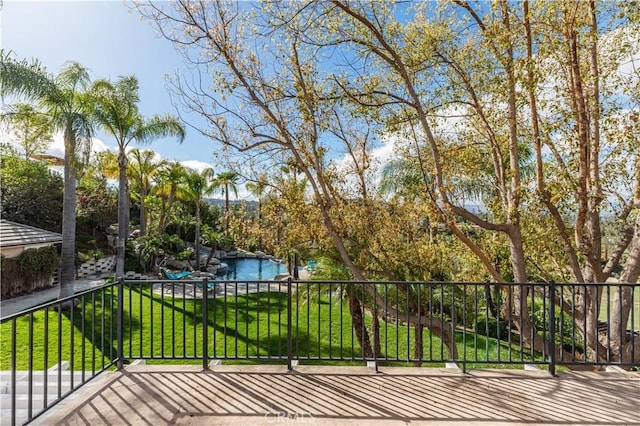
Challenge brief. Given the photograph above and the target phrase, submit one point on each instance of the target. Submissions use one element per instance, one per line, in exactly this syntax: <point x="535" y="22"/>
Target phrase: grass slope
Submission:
<point x="252" y="326"/>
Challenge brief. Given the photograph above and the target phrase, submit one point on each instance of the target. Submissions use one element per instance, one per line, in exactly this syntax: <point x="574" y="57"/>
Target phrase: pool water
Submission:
<point x="252" y="269"/>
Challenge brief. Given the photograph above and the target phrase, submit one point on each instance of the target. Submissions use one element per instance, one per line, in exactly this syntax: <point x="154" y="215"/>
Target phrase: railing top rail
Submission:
<point x="199" y="280"/>
<point x="462" y="283"/>
<point x="56" y="302"/>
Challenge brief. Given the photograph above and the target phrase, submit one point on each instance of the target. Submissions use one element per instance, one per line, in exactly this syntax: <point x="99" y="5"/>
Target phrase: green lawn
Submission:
<point x="248" y="326"/>
<point x="60" y="332"/>
<point x="636" y="307"/>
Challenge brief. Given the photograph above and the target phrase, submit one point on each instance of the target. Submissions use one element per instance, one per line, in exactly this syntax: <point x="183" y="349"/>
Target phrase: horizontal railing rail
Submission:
<point x="51" y="350"/>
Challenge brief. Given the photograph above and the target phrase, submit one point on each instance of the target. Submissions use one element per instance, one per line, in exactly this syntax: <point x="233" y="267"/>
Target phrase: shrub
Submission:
<point x="186" y="254"/>
<point x="492" y="327"/>
<point x="132" y="264"/>
<point x="36" y="262"/>
<point x="31" y="270"/>
<point x="564" y="327"/>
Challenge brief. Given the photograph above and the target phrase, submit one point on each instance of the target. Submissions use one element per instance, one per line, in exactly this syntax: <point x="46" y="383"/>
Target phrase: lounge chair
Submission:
<point x="311" y="266"/>
<point x="174" y="275"/>
<point x="211" y="285"/>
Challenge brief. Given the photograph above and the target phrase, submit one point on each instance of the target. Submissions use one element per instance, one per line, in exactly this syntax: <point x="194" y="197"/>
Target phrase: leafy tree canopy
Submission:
<point x="30" y="193"/>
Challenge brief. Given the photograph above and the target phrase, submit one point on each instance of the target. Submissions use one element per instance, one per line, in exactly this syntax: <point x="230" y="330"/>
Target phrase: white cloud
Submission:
<point x="57" y="147"/>
<point x="196" y="165"/>
<point x="377" y="156"/>
<point x="384" y="153"/>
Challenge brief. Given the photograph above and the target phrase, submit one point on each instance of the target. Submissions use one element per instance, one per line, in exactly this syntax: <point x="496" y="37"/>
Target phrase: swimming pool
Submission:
<point x="252" y="269"/>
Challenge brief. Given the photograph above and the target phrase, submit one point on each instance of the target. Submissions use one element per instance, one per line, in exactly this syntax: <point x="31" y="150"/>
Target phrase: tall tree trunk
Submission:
<point x="493" y="309"/>
<point x="540" y="180"/>
<point x="123" y="213"/>
<point x="143" y="213"/>
<point x="226" y="209"/>
<point x="197" y="240"/>
<point x="212" y="249"/>
<point x="516" y="303"/>
<point x="163" y="213"/>
<point x="167" y="205"/>
<point x="357" y="317"/>
<point x="68" y="249"/>
<point x="375" y="332"/>
<point x="354" y="303"/>
<point x="296" y="275"/>
<point x="419" y="345"/>
<point x="594" y="188"/>
<point x="260" y="224"/>
<point x="621" y="344"/>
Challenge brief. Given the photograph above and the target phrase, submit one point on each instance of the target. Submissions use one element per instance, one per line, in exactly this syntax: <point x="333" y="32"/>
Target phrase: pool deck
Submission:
<point x="268" y="394"/>
<point x="21" y="303"/>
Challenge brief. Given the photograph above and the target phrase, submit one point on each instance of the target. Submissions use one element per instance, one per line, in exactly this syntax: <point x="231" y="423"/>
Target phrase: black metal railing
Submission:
<point x="49" y="351"/>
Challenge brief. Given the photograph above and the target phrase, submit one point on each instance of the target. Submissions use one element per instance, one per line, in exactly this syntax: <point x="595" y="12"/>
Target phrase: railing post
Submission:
<point x="375" y="330"/>
<point x="552" y="327"/>
<point x="14" y="368"/>
<point x="205" y="324"/>
<point x="289" y="333"/>
<point x="120" y="323"/>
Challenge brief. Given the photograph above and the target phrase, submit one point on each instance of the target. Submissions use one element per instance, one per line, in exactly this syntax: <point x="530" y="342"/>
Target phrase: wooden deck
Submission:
<point x="247" y="395"/>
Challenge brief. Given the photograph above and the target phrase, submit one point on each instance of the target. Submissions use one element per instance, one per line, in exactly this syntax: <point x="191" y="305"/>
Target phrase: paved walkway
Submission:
<point x="250" y="395"/>
<point x="21" y="303"/>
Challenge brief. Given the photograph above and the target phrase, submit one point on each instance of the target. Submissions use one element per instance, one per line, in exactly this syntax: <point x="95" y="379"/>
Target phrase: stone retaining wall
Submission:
<point x="105" y="266"/>
<point x="96" y="268"/>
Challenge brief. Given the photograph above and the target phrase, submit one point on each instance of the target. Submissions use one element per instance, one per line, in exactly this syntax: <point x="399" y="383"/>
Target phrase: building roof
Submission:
<point x="14" y="234"/>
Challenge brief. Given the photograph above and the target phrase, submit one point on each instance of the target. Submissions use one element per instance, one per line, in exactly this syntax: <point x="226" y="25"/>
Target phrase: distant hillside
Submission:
<point x="218" y="202"/>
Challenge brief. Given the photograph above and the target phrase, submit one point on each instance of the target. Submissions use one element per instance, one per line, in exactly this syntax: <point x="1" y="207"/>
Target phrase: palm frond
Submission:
<point x="400" y="176"/>
<point x="227" y="181"/>
<point x="73" y="77"/>
<point x="196" y="185"/>
<point x="115" y="108"/>
<point x="128" y="89"/>
<point x="24" y="79"/>
<point x="160" y="127"/>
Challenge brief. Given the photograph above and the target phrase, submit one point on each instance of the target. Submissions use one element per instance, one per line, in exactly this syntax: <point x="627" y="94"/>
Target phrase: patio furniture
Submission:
<point x="174" y="275"/>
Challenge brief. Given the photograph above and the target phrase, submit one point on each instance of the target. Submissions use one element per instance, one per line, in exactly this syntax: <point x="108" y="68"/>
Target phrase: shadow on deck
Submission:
<point x="227" y="394"/>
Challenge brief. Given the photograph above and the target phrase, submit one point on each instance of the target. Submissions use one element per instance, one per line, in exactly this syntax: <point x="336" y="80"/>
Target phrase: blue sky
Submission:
<point x="111" y="41"/>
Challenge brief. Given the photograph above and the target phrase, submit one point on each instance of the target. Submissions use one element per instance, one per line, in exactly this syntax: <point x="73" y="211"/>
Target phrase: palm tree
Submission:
<point x="116" y="110"/>
<point x="212" y="238"/>
<point x="142" y="170"/>
<point x="64" y="100"/>
<point x="196" y="187"/>
<point x="226" y="181"/>
<point x="180" y="218"/>
<point x="258" y="188"/>
<point x="171" y="173"/>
